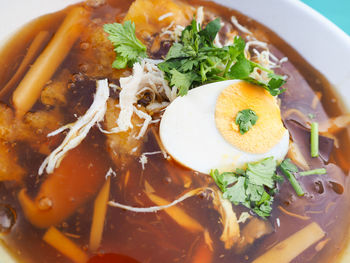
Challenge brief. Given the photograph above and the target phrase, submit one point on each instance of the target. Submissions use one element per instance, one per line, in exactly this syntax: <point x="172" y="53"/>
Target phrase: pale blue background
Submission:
<point x="338" y="11"/>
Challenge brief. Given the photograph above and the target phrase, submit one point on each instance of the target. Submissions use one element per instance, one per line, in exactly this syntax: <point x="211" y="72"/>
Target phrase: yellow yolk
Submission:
<point x="267" y="131"/>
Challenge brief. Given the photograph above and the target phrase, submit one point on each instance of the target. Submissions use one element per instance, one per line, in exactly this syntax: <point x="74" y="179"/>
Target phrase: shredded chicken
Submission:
<point x="146" y="77"/>
<point x="231" y="232"/>
<point x="153" y="209"/>
<point x="78" y="130"/>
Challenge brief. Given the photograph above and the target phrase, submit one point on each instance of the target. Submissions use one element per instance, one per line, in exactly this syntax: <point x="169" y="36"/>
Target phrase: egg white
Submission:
<point x="189" y="134"/>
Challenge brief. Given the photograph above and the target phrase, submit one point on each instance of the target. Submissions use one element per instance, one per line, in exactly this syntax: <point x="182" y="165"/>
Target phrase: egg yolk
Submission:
<point x="267" y="131"/>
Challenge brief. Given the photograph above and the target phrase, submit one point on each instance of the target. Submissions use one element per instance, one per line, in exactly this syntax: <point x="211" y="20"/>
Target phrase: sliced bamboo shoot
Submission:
<point x="64" y="245"/>
<point x="99" y="216"/>
<point x="28" y="91"/>
<point x="293" y="246"/>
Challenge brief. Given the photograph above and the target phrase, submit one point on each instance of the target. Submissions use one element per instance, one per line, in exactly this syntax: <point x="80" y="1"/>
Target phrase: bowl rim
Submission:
<point x="318" y="36"/>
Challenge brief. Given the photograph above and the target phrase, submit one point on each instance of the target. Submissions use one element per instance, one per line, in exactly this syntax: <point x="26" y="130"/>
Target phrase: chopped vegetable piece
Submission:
<point x="99" y="216"/>
<point x="245" y="119"/>
<point x="64" y="245"/>
<point x="293" y="246"/>
<point x="314" y="139"/>
<point x="288" y="168"/>
<point x="196" y="60"/>
<point x="247" y="187"/>
<point x="28" y="91"/>
<point x="177" y="214"/>
<point x="315" y="171"/>
<point x="128" y="47"/>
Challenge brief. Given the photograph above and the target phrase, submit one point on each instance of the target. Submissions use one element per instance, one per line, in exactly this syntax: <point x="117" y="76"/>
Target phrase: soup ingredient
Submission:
<point x="78" y="130"/>
<point x="99" y="215"/>
<point x="177" y="214"/>
<point x="202" y="253"/>
<point x="314" y="139"/>
<point x="150" y="16"/>
<point x="129" y="49"/>
<point x="8" y="218"/>
<point x="231" y="232"/>
<point x="28" y="91"/>
<point x="35" y="47"/>
<point x="196" y="60"/>
<point x="199" y="121"/>
<point x="64" y="245"/>
<point x="71" y="185"/>
<point x="9" y="168"/>
<point x="255" y="229"/>
<point x="289" y="213"/>
<point x="247" y="187"/>
<point x="245" y="119"/>
<point x="288" y="169"/>
<point x="315" y="171"/>
<point x="293" y="246"/>
<point x="7" y="255"/>
<point x="269" y="129"/>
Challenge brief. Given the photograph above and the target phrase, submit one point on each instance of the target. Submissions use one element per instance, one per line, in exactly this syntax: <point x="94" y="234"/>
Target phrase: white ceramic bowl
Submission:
<point x="318" y="40"/>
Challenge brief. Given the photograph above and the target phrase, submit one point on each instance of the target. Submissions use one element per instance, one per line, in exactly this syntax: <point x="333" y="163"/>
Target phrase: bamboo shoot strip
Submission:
<point x="64" y="245"/>
<point x="28" y="91"/>
<point x="293" y="246"/>
<point x="177" y="214"/>
<point x="99" y="216"/>
<point x="35" y="47"/>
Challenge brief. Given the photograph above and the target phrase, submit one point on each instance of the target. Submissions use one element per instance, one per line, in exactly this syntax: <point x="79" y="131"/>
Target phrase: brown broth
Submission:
<point x="155" y="237"/>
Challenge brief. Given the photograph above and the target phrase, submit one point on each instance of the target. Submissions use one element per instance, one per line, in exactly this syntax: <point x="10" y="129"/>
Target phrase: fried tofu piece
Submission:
<point x="9" y="168"/>
<point x="32" y="129"/>
<point x="54" y="92"/>
<point x="96" y="53"/>
<point x="150" y="16"/>
<point x="122" y="145"/>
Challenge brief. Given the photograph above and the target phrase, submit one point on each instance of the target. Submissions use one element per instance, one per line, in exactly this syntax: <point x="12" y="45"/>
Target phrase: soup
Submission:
<point x="89" y="168"/>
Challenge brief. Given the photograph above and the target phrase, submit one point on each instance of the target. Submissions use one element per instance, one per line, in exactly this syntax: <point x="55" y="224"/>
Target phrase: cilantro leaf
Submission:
<point x="245" y="119"/>
<point x="236" y="193"/>
<point x="262" y="173"/>
<point x="223" y="179"/>
<point x="182" y="81"/>
<point x="129" y="49"/>
<point x="197" y="56"/>
<point x="253" y="187"/>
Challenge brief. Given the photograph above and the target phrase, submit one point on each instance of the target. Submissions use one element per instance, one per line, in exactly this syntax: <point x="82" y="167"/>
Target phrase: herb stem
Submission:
<point x="315" y="171"/>
<point x="293" y="181"/>
<point x="314" y="139"/>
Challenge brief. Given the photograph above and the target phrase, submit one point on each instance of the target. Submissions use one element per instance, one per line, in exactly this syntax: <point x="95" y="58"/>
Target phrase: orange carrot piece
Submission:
<point x="99" y="216"/>
<point x="202" y="254"/>
<point x="35" y="47"/>
<point x="77" y="179"/>
<point x="28" y="91"/>
<point x="64" y="245"/>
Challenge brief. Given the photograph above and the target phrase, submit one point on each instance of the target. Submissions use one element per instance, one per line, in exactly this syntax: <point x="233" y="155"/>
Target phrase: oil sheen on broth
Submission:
<point x="156" y="237"/>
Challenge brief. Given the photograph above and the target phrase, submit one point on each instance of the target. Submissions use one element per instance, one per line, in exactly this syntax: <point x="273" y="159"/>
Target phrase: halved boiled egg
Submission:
<point x="199" y="129"/>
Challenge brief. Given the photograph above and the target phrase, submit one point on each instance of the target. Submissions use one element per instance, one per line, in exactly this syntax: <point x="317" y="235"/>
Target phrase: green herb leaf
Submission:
<point x="245" y="119"/>
<point x="249" y="187"/>
<point x="262" y="173"/>
<point x="197" y="55"/>
<point x="129" y="49"/>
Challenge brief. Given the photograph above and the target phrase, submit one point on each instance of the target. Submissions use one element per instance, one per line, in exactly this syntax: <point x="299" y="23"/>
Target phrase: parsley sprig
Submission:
<point x="253" y="187"/>
<point x="128" y="47"/>
<point x="195" y="60"/>
<point x="245" y="119"/>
